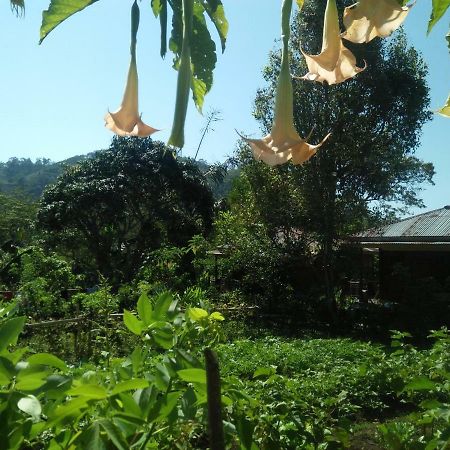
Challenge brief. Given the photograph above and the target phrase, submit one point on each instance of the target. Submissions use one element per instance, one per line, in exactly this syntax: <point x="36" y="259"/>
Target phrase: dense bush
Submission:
<point x="44" y="281"/>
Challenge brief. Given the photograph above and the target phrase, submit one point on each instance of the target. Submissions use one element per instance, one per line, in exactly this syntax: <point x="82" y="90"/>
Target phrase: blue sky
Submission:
<point x="54" y="96"/>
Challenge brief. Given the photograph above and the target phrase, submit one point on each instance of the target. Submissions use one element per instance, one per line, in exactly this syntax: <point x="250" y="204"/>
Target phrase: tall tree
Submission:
<point x="124" y="202"/>
<point x="368" y="167"/>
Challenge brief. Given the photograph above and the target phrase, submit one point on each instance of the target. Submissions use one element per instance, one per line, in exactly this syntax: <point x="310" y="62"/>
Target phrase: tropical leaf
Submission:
<point x="10" y="330"/>
<point x="216" y="12"/>
<point x="439" y="8"/>
<point x="203" y="58"/>
<point x="193" y="375"/>
<point x="46" y="359"/>
<point x="132" y="322"/>
<point x="202" y="49"/>
<point x="58" y="11"/>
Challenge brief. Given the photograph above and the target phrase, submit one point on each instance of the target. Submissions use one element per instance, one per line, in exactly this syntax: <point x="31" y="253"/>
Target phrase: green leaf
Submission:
<point x="132" y="322"/>
<point x="70" y="408"/>
<point x="90" y="438"/>
<point x="58" y="11"/>
<point x="130" y="385"/>
<point x="156" y="7"/>
<point x="439" y="8"/>
<point x="6" y="310"/>
<point x="31" y="378"/>
<point x="137" y="358"/>
<point x="245" y="430"/>
<point x="10" y="330"/>
<point x="216" y="316"/>
<point x="216" y="12"/>
<point x="30" y="405"/>
<point x="196" y="314"/>
<point x="114" y="434"/>
<point x="89" y="390"/>
<point x="6" y="371"/>
<point x="145" y="309"/>
<point x="162" y="305"/>
<point x="46" y="359"/>
<point x="129" y="404"/>
<point x="164" y="337"/>
<point x="193" y="375"/>
<point x="264" y="372"/>
<point x="420" y="384"/>
<point x="162" y="377"/>
<point x="203" y="58"/>
<point x="169" y="403"/>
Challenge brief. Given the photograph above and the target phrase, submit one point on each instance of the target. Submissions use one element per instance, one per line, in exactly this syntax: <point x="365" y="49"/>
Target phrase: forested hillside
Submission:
<point x="28" y="178"/>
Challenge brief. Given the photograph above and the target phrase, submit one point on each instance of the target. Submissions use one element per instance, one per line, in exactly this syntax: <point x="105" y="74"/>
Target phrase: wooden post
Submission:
<point x="216" y="435"/>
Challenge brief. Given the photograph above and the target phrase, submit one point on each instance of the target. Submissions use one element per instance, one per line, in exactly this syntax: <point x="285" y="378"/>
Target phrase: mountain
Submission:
<point x="23" y="176"/>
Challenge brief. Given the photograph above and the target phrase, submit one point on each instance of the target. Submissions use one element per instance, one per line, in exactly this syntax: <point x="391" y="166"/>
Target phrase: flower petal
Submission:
<point x="445" y="110"/>
<point x="344" y="69"/>
<point x="368" y="19"/>
<point x="275" y="153"/>
<point x="303" y="151"/>
<point x="126" y="121"/>
<point x="336" y="63"/>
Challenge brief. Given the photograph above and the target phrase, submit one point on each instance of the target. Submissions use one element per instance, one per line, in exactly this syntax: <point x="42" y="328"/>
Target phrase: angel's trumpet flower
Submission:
<point x="184" y="78"/>
<point x="445" y="110"/>
<point x="126" y="121"/>
<point x="335" y="63"/>
<point x="283" y="143"/>
<point x="368" y="19"/>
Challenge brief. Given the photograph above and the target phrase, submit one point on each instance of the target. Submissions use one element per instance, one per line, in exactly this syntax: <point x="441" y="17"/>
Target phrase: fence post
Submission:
<point x="216" y="436"/>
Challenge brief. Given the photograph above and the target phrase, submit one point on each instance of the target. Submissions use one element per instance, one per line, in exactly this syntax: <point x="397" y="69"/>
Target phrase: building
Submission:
<point x="410" y="255"/>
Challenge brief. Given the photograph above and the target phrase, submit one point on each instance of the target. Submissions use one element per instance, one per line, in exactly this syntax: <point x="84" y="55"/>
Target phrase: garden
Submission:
<point x="153" y="300"/>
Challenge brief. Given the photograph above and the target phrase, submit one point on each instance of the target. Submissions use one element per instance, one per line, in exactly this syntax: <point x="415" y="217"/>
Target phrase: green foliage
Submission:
<point x="367" y="169"/>
<point x="43" y="279"/>
<point x="200" y="49"/>
<point x="439" y="9"/>
<point x="58" y="11"/>
<point x="429" y="427"/>
<point x="111" y="210"/>
<point x="17" y="215"/>
<point x="122" y="404"/>
<point x="275" y="393"/>
<point x="25" y="179"/>
<point x="167" y="267"/>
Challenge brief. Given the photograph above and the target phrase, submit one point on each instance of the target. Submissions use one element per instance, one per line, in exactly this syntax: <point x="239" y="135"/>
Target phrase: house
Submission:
<point x="408" y="257"/>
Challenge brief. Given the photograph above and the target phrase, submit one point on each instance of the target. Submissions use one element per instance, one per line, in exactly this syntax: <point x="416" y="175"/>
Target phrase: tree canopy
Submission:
<point x="367" y="169"/>
<point x="124" y="202"/>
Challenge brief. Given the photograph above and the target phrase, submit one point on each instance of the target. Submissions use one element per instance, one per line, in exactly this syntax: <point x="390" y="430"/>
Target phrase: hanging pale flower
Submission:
<point x="335" y="63"/>
<point x="368" y="19"/>
<point x="445" y="110"/>
<point x="283" y="143"/>
<point x="126" y="121"/>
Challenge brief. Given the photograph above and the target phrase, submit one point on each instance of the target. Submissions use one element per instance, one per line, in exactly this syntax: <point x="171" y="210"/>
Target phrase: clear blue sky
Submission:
<point x="54" y="96"/>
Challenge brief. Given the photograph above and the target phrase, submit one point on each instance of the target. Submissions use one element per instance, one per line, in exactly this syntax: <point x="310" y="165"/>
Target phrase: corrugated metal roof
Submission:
<point x="429" y="226"/>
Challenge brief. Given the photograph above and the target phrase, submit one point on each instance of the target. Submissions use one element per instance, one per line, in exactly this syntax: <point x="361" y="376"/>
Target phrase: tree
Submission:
<point x="17" y="214"/>
<point x="124" y="202"/>
<point x="367" y="169"/>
